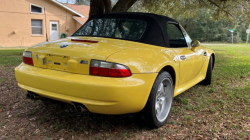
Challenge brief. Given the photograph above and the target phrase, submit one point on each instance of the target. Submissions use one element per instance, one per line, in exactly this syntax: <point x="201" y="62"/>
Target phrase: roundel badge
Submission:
<point x="64" y="46"/>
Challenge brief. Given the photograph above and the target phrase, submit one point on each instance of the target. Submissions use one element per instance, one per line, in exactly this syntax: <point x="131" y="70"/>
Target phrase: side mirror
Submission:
<point x="195" y="43"/>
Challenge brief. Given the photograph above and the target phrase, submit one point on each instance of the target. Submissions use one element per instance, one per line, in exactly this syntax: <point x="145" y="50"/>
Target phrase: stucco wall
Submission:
<point x="78" y="25"/>
<point x="15" y="24"/>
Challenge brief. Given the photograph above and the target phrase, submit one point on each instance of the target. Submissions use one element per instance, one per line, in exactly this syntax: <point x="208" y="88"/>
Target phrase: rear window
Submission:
<point x="131" y="29"/>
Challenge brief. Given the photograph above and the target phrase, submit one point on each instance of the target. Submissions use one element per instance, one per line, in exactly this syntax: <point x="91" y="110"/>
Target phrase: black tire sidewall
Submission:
<point x="208" y="79"/>
<point x="150" y="107"/>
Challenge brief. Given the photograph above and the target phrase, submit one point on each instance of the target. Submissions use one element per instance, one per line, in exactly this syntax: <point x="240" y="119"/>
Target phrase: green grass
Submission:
<point x="10" y="57"/>
<point x="3" y="124"/>
<point x="227" y="98"/>
<point x="221" y="109"/>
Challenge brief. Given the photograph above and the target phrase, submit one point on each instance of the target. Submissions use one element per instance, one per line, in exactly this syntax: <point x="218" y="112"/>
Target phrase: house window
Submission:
<point x="36" y="9"/>
<point x="36" y="27"/>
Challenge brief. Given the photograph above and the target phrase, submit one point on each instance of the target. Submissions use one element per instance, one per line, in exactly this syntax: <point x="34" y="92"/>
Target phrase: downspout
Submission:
<point x="66" y="29"/>
<point x="46" y="26"/>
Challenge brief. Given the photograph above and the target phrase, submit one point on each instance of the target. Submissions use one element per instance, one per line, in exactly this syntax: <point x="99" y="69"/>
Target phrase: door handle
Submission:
<point x="183" y="57"/>
<point x="205" y="54"/>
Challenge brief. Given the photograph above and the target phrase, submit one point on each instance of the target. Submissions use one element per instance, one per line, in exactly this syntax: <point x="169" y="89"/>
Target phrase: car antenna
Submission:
<point x="46" y="26"/>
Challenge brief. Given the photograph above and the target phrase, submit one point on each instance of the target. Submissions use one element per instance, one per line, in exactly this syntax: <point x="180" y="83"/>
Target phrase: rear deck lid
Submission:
<point x="74" y="54"/>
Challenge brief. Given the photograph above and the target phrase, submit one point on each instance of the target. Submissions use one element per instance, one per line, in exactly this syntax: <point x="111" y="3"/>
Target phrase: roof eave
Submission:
<point x="78" y="20"/>
<point x="66" y="7"/>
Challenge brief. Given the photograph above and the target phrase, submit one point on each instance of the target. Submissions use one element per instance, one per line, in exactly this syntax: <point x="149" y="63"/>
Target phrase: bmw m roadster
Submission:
<point x="118" y="63"/>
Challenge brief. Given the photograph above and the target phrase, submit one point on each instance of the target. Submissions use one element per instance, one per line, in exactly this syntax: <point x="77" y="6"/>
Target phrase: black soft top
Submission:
<point x="156" y="31"/>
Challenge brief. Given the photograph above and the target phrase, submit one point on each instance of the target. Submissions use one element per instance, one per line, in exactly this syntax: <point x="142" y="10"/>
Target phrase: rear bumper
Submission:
<point x="99" y="94"/>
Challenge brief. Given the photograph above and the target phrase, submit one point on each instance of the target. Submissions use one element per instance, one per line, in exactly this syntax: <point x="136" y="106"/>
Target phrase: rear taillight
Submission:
<point x="27" y="58"/>
<point x="108" y="69"/>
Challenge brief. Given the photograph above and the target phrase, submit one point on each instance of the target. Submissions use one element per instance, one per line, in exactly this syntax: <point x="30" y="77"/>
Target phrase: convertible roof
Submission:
<point x="156" y="31"/>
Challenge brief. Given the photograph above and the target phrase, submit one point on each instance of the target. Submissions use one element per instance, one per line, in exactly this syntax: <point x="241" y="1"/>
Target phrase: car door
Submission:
<point x="190" y="61"/>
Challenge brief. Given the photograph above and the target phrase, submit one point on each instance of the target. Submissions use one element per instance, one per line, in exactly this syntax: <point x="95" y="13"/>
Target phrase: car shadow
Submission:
<point x="56" y="116"/>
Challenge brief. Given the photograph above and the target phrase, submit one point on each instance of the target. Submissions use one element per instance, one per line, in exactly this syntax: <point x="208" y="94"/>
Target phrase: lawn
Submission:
<point x="220" y="110"/>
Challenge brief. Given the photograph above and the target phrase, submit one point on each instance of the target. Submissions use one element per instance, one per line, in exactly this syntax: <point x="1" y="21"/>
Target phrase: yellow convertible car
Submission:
<point x="118" y="63"/>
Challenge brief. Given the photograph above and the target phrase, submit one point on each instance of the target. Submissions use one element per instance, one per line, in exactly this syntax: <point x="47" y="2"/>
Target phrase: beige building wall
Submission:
<point x="15" y="21"/>
<point x="78" y="25"/>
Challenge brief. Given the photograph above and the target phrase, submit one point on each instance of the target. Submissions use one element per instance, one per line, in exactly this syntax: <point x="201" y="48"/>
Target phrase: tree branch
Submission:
<point x="222" y="9"/>
<point x="123" y="5"/>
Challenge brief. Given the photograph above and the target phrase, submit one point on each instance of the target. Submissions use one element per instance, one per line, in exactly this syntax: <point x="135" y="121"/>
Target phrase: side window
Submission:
<point x="187" y="37"/>
<point x="175" y="36"/>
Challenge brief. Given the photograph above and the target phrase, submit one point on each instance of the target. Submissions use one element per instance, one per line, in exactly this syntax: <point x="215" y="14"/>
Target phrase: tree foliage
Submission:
<point x="205" y="29"/>
<point x="82" y="2"/>
<point x="222" y="8"/>
<point x="205" y="20"/>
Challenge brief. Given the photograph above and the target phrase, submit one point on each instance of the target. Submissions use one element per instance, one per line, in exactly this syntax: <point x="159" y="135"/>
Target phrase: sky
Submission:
<point x="65" y="1"/>
<point x="73" y="1"/>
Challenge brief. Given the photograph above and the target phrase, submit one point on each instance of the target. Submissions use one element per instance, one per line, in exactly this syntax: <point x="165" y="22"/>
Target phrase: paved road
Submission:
<point x="215" y="44"/>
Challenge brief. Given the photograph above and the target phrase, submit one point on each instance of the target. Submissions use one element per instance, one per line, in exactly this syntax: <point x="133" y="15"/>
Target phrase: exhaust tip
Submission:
<point x="72" y="108"/>
<point x="28" y="96"/>
<point x="32" y="96"/>
<point x="80" y="109"/>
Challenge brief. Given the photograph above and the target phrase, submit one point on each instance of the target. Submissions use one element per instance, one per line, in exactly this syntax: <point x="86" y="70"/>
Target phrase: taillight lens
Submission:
<point x="27" y="58"/>
<point x="108" y="69"/>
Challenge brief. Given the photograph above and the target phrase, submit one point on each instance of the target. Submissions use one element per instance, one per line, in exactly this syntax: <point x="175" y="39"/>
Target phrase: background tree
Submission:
<point x="222" y="8"/>
<point x="205" y="20"/>
<point x="82" y="2"/>
<point x="204" y="28"/>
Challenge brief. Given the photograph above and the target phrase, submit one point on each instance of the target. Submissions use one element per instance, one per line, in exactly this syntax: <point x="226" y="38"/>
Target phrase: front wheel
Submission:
<point x="208" y="79"/>
<point x="160" y="100"/>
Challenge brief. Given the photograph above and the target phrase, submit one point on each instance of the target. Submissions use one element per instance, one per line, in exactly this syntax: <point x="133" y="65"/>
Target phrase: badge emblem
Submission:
<point x="63" y="46"/>
<point x="83" y="62"/>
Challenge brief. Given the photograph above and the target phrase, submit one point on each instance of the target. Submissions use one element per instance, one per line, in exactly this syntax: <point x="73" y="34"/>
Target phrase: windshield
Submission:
<point x="131" y="29"/>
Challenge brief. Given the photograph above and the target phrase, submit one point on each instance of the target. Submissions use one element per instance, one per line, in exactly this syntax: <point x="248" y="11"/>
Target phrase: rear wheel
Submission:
<point x="160" y="100"/>
<point x="208" y="79"/>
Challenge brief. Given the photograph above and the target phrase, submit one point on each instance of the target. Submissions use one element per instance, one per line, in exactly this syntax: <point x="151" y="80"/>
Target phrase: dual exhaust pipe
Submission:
<point x="33" y="96"/>
<point x="79" y="108"/>
<point x="74" y="107"/>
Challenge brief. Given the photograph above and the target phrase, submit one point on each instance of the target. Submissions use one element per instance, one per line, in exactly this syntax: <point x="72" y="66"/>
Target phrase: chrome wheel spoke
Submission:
<point x="157" y="108"/>
<point x="161" y="89"/>
<point x="163" y="99"/>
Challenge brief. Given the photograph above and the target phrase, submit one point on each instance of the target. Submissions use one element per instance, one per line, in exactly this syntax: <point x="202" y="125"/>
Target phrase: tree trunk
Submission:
<point x="99" y="7"/>
<point x="96" y="7"/>
<point x="104" y="6"/>
<point x="107" y="5"/>
<point x="123" y="5"/>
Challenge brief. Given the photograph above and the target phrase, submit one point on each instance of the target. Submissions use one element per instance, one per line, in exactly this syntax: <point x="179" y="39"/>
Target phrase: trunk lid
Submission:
<point x="74" y="56"/>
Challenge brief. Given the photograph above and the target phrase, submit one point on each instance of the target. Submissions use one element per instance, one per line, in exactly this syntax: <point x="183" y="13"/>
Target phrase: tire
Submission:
<point x="160" y="101"/>
<point x="208" y="79"/>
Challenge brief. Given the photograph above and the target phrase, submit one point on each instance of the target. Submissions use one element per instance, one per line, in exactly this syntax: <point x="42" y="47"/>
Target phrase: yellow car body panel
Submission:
<point x="71" y="82"/>
<point x="145" y="58"/>
<point x="193" y="69"/>
<point x="99" y="94"/>
<point x="74" y="53"/>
